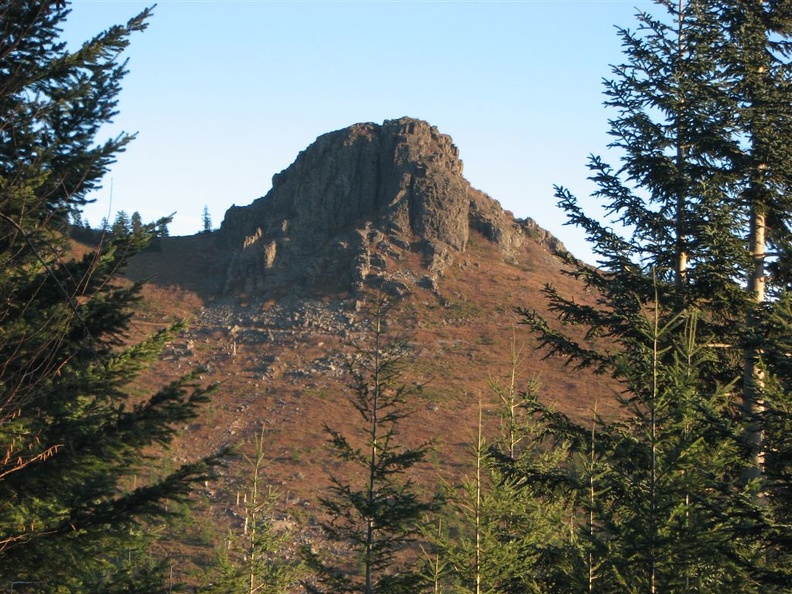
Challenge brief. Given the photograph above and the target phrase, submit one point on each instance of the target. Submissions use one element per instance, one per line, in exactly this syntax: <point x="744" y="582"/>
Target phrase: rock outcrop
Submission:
<point x="353" y="199"/>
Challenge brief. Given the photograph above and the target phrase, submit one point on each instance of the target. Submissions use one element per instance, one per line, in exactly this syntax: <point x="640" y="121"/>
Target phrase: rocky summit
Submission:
<point x="356" y="198"/>
<point x="282" y="296"/>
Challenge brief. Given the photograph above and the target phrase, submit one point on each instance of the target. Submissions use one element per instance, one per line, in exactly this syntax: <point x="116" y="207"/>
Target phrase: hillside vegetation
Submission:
<point x="373" y="379"/>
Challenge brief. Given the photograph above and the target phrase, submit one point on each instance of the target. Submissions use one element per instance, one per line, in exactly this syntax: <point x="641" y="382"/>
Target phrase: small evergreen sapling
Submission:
<point x="255" y="559"/>
<point x="373" y="510"/>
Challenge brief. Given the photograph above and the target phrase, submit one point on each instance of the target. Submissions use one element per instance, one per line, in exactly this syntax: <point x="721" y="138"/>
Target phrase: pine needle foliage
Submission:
<point x="374" y="514"/>
<point x="499" y="531"/>
<point x="77" y="490"/>
<point x="506" y="526"/>
<point x="656" y="497"/>
<point x="691" y="301"/>
<point x="255" y="559"/>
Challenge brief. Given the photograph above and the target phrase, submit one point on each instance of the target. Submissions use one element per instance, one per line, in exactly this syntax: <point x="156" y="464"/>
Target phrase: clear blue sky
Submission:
<point x="224" y="94"/>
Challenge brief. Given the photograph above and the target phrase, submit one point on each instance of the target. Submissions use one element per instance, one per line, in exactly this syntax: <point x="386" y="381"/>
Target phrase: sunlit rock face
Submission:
<point x="352" y="196"/>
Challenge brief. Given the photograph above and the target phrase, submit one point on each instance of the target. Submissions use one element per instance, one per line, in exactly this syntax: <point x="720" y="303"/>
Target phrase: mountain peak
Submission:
<point x="398" y="185"/>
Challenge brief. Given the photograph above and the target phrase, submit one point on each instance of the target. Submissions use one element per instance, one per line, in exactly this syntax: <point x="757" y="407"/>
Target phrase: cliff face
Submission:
<point x="356" y="193"/>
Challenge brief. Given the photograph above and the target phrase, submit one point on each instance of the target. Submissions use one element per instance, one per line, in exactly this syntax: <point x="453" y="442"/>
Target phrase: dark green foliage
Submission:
<point x="206" y="220"/>
<point x="685" y="489"/>
<point x="656" y="495"/>
<point x="504" y="529"/>
<point x="122" y="226"/>
<point x="77" y="485"/>
<point x="500" y="532"/>
<point x="135" y="224"/>
<point x="374" y="509"/>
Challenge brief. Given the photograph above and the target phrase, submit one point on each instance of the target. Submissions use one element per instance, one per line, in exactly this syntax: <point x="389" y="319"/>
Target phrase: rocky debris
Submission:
<point x="259" y="323"/>
<point x="395" y="288"/>
<point x="429" y="282"/>
<point x="354" y="199"/>
<point x="293" y="326"/>
<point x="176" y="350"/>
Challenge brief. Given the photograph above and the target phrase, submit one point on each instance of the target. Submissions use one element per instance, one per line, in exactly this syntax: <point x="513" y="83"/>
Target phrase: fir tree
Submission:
<point x="136" y="224"/>
<point x="122" y="225"/>
<point x="656" y="495"/>
<point x="498" y="533"/>
<point x="77" y="482"/>
<point x="255" y="560"/>
<point x="502" y="529"/>
<point x="703" y="123"/>
<point x="206" y="219"/>
<point x="375" y="513"/>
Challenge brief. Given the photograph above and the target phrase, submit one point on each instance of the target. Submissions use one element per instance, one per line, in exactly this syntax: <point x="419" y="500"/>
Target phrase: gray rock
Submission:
<point x="366" y="186"/>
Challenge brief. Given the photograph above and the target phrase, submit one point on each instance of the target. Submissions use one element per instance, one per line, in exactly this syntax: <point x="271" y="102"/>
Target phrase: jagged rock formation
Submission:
<point x="353" y="199"/>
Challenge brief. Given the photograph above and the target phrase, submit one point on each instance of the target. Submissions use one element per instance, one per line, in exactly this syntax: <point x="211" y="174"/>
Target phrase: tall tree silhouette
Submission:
<point x="703" y="125"/>
<point x="76" y="479"/>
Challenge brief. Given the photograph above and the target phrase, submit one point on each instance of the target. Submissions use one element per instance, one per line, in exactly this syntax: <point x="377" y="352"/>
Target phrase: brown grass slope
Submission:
<point x="279" y="361"/>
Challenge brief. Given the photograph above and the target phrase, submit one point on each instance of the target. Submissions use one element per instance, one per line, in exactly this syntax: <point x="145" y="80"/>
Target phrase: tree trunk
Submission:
<point x="753" y="378"/>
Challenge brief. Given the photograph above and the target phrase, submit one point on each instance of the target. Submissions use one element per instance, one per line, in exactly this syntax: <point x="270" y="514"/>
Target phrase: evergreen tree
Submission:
<point x="375" y="512"/>
<point x="206" y="218"/>
<point x="656" y="495"/>
<point x="755" y="60"/>
<point x="500" y="533"/>
<point x="77" y="219"/>
<point x="136" y="224"/>
<point x="161" y="228"/>
<point x="78" y="480"/>
<point x="703" y="123"/>
<point x="256" y="561"/>
<point x="533" y="507"/>
<point x="122" y="225"/>
<point x="502" y="529"/>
